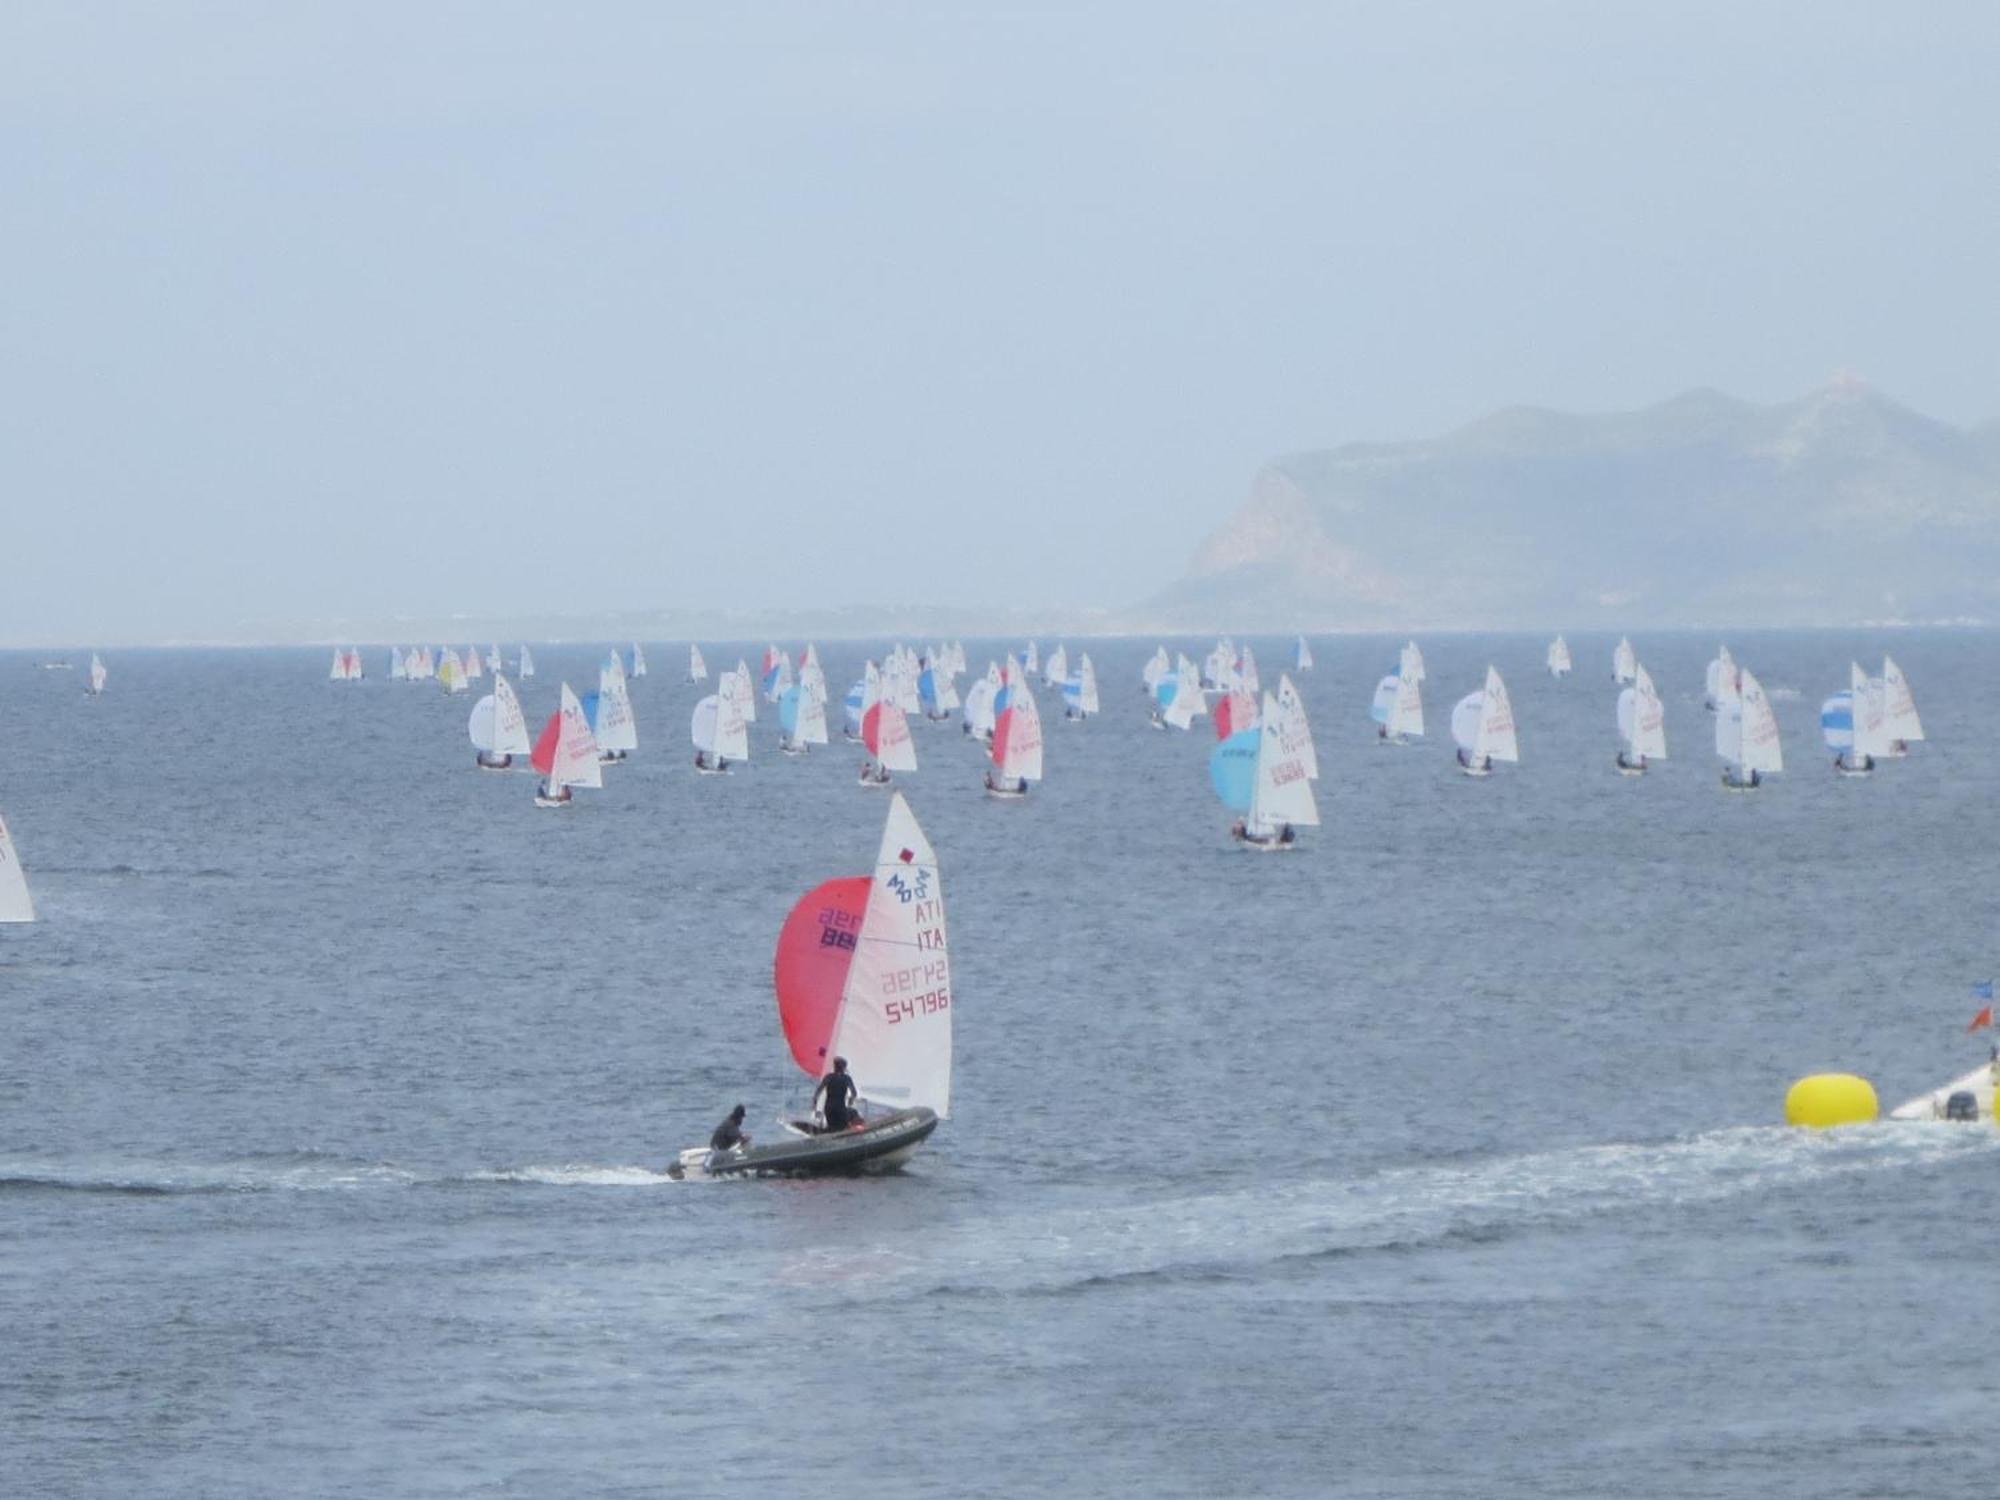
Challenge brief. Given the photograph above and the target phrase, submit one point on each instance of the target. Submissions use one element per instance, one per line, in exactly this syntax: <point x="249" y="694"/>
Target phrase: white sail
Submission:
<point x="1871" y="719"/>
<point x="1281" y="791"/>
<point x="470" y="664"/>
<point x="894" y="750"/>
<point x="1411" y="663"/>
<point x="894" y="1026"/>
<point x="16" y="905"/>
<point x="810" y="727"/>
<point x="697" y="668"/>
<point x="1623" y="661"/>
<point x="493" y="662"/>
<point x="1406" y="711"/>
<point x="1032" y="661"/>
<point x="1189" y="702"/>
<point x="338" y="673"/>
<point x="1219" y="670"/>
<point x="575" y="761"/>
<point x="638" y="660"/>
<point x="96" y="673"/>
<point x="1246" y="672"/>
<point x="1646" y="732"/>
<point x="1086" y="680"/>
<point x="1559" y="662"/>
<point x="398" y="668"/>
<point x="1157" y="666"/>
<point x="510" y="725"/>
<point x="616" y="727"/>
<point x="527" y="662"/>
<point x="1294" y="733"/>
<point x="738" y="688"/>
<point x="1899" y="708"/>
<point x="979" y="703"/>
<point x="1055" y="668"/>
<point x="1760" y="750"/>
<point x="1496" y="725"/>
<point x="1302" y="656"/>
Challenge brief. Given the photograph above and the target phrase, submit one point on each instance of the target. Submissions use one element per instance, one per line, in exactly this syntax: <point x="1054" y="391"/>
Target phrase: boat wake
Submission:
<point x="147" y="1178"/>
<point x="1245" y="1230"/>
<point x="577" y="1175"/>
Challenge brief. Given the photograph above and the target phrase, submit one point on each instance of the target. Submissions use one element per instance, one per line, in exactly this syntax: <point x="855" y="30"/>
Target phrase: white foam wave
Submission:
<point x="576" y="1175"/>
<point x="1274" y="1221"/>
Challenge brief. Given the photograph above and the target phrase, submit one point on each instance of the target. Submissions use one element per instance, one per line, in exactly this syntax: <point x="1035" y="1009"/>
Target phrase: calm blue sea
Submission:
<point x="1438" y="1159"/>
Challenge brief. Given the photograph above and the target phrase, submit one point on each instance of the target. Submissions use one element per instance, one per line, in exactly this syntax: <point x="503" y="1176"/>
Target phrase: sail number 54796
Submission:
<point x="909" y="1007"/>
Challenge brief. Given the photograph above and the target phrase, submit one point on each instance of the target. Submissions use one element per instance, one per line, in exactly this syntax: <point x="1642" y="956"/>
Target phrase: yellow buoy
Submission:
<point x="1831" y="1099"/>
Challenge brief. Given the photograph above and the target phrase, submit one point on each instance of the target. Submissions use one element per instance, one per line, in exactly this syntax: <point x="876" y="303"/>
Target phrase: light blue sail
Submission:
<point x="1836" y="722"/>
<point x="788" y="710"/>
<point x="1232" y="769"/>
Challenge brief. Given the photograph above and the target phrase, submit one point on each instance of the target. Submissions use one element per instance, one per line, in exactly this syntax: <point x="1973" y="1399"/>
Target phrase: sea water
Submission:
<point x="1438" y="1157"/>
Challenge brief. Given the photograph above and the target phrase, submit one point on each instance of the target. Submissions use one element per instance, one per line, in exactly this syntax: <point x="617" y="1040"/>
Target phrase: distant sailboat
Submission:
<point x="1158" y="665"/>
<point x="493" y="658"/>
<point x="469" y="664"/>
<point x="1398" y="708"/>
<point x="1411" y="663"/>
<point x="1642" y="725"/>
<point x="609" y="710"/>
<point x="451" y="673"/>
<point x="399" y="669"/>
<point x="1623" y="662"/>
<point x="565" y="754"/>
<point x="1055" y="671"/>
<point x="1721" y="684"/>
<point x="935" y="691"/>
<point x="1746" y="735"/>
<point x="1302" y="656"/>
<point x="802" y="711"/>
<point x="1080" y="690"/>
<point x="16" y="905"/>
<point x="1559" y="662"/>
<point x="1294" y="733"/>
<point x="1900" y="710"/>
<point x="777" y="674"/>
<point x="697" y="668"/>
<point x="1017" y="738"/>
<point x="1483" y="726"/>
<point x="1179" y="699"/>
<point x="498" y="728"/>
<point x="885" y="730"/>
<point x="346" y="665"/>
<point x="978" y="716"/>
<point x="720" y="732"/>
<point x="95" y="685"/>
<point x="1854" y="724"/>
<point x="527" y="662"/>
<point x="638" y="660"/>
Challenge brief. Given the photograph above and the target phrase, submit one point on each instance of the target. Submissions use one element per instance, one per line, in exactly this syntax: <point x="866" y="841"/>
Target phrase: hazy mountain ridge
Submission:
<point x="1838" y="507"/>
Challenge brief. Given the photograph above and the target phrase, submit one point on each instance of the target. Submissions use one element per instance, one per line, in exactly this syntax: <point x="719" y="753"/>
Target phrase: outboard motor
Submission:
<point x="1962" y="1106"/>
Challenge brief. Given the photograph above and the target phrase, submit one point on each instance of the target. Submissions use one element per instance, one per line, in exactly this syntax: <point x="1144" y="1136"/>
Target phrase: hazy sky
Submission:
<point x="366" y="309"/>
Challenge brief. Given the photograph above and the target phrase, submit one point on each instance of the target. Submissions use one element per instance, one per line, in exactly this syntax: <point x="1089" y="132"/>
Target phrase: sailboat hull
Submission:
<point x="883" y="1145"/>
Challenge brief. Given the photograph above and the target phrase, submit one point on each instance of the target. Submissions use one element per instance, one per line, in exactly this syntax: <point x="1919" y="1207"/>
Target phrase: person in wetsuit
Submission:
<point x="837" y="1090"/>
<point x="729" y="1134"/>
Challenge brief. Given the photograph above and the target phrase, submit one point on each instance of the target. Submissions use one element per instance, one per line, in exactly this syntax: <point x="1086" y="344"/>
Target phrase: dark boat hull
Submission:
<point x="883" y="1146"/>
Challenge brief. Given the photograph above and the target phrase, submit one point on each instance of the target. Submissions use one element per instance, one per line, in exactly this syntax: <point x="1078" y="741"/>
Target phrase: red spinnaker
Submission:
<point x="544" y="755"/>
<point x="815" y="950"/>
<point x="871" y="730"/>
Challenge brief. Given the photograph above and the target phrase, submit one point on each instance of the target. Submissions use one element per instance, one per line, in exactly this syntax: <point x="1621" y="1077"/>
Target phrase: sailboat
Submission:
<point x="802" y="712"/>
<point x="95" y="684"/>
<point x="1294" y="733"/>
<point x="935" y="691"/>
<point x="885" y="730"/>
<point x="742" y="689"/>
<point x="1235" y="711"/>
<point x="1255" y="774"/>
<point x="1900" y="710"/>
<point x="565" y="754"/>
<point x="493" y="658"/>
<point x="1218" y="668"/>
<point x="1746" y="734"/>
<point x="1055" y="669"/>
<point x="1483" y="726"/>
<point x="1302" y="656"/>
<point x="1017" y="738"/>
<point x="1031" y="659"/>
<point x="498" y="728"/>
<point x="697" y="668"/>
<point x="1559" y="662"/>
<point x="16" y="905"/>
<point x="720" y="732"/>
<point x="1623" y="661"/>
<point x="1158" y="665"/>
<point x="527" y="662"/>
<point x="978" y="716"/>
<point x="1642" y="724"/>
<point x="862" y="973"/>
<point x="346" y="665"/>
<point x="1721" y="684"/>
<point x="1246" y="673"/>
<point x="1178" y="698"/>
<point x="451" y="674"/>
<point x="638" y="660"/>
<point x="1854" y="724"/>
<point x="777" y="673"/>
<point x="609" y="711"/>
<point x="1080" y="690"/>
<point x="1411" y="662"/>
<point x="399" y="669"/>
<point x="1398" y="707"/>
<point x="469" y="664"/>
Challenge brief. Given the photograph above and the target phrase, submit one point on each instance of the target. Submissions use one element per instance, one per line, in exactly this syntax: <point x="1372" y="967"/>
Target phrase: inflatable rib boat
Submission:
<point x="882" y="1145"/>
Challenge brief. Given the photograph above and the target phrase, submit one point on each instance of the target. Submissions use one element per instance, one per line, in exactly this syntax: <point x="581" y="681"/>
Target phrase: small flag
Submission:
<point x="1983" y="990"/>
<point x="1984" y="1018"/>
<point x="907" y="856"/>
